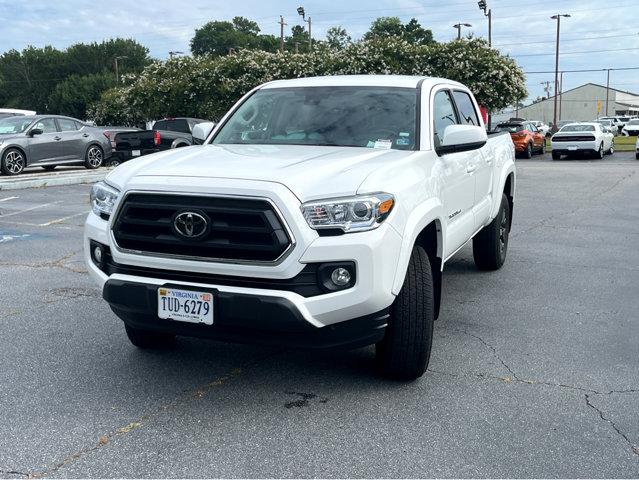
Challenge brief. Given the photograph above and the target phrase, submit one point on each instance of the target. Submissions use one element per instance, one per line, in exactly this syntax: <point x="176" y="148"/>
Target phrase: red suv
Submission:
<point x="526" y="137"/>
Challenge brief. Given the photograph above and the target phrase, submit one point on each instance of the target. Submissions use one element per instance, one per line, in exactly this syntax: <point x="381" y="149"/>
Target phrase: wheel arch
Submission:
<point x="180" y="142"/>
<point x="21" y="149"/>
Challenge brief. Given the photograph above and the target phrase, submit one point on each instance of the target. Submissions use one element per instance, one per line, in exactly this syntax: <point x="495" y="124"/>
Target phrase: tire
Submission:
<point x="94" y="157"/>
<point x="49" y="168"/>
<point x="147" y="339"/>
<point x="600" y="153"/>
<point x="637" y="156"/>
<point x="529" y="151"/>
<point x="490" y="245"/>
<point x="113" y="162"/>
<point x="611" y="151"/>
<point x="13" y="162"/>
<point x="404" y="352"/>
<point x="556" y="156"/>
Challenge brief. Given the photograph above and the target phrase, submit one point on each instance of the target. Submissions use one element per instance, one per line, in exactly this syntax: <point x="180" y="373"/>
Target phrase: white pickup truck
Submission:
<point x="319" y="212"/>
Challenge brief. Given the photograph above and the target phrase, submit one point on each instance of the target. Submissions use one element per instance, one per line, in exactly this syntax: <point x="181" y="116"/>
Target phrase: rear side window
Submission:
<point x="443" y="115"/>
<point x="176" y="125"/>
<point x="67" y="125"/>
<point x="466" y="108"/>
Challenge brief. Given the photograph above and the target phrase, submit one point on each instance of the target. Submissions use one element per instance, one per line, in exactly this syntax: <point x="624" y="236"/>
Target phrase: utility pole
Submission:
<point x="546" y="87"/>
<point x="458" y="27"/>
<point x="607" y="89"/>
<point x="297" y="47"/>
<point x="282" y="24"/>
<point x="561" y="91"/>
<point x="117" y="72"/>
<point x="558" y="18"/>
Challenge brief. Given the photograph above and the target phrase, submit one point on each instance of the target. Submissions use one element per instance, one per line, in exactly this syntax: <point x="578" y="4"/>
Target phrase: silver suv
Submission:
<point x="48" y="141"/>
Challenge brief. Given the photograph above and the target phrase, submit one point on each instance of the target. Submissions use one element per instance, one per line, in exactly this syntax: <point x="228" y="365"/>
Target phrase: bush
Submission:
<point x="208" y="86"/>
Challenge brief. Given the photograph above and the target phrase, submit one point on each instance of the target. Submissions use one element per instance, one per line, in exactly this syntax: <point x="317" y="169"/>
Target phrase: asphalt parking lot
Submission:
<point x="534" y="370"/>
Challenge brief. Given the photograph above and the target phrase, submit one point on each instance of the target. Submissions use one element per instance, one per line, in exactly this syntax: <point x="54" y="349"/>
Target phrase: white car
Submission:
<point x="582" y="138"/>
<point x="15" y="112"/>
<point x="631" y="128"/>
<point x="637" y="149"/>
<point x="618" y="124"/>
<point x="544" y="128"/>
<point x="608" y="124"/>
<point x="318" y="213"/>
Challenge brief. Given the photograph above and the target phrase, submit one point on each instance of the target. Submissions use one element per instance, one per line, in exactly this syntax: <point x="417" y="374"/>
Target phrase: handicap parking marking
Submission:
<point x="9" y="238"/>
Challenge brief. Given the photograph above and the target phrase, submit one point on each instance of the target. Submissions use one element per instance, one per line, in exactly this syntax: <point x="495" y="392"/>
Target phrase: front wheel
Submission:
<point x="13" y="162"/>
<point x="404" y="352"/>
<point x="146" y="339"/>
<point x="94" y="157"/>
<point x="490" y="245"/>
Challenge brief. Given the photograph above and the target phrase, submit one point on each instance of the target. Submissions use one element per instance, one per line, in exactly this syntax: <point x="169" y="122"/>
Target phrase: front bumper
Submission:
<point x="243" y="318"/>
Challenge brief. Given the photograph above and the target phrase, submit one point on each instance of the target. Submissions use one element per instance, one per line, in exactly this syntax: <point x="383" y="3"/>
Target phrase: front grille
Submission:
<point x="238" y="229"/>
<point x="574" y="138"/>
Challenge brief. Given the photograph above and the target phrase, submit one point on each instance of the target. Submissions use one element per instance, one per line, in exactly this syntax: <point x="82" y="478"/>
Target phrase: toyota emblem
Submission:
<point x="191" y="225"/>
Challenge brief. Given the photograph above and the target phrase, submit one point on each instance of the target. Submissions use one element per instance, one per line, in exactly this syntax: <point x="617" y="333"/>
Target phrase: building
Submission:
<point x="584" y="103"/>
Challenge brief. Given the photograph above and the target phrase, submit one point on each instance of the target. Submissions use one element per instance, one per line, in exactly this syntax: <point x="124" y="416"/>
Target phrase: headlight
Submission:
<point x="103" y="197"/>
<point x="351" y="214"/>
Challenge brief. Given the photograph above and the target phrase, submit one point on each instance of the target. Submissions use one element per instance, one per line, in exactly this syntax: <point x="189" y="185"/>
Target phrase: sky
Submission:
<point x="598" y="35"/>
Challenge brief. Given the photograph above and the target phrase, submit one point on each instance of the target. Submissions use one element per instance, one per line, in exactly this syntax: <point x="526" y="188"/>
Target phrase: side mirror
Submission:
<point x="35" y="131"/>
<point x="201" y="131"/>
<point x="461" y="138"/>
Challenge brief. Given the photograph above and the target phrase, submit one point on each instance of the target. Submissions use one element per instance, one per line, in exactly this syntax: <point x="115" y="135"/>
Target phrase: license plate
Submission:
<point x="572" y="147"/>
<point x="185" y="305"/>
<point x="135" y="153"/>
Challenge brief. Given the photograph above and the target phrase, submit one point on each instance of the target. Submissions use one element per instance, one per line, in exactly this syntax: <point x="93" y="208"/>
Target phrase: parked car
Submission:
<point x="608" y="125"/>
<point x="582" y="138"/>
<point x="48" y="141"/>
<point x="637" y="149"/>
<point x="631" y="128"/>
<point x="110" y="133"/>
<point x="15" y="112"/>
<point x="166" y="134"/>
<point x="616" y="122"/>
<point x="319" y="213"/>
<point x="525" y="136"/>
<point x="543" y="128"/>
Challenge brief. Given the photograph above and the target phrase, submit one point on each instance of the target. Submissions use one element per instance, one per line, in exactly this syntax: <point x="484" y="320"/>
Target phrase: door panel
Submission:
<point x="72" y="143"/>
<point x="45" y="147"/>
<point x="483" y="187"/>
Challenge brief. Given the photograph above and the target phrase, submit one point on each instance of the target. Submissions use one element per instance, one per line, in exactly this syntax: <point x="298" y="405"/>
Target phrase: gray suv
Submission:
<point x="48" y="141"/>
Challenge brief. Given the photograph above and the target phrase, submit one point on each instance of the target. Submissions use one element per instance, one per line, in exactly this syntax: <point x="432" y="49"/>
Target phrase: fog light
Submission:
<point x="97" y="254"/>
<point x="341" y="277"/>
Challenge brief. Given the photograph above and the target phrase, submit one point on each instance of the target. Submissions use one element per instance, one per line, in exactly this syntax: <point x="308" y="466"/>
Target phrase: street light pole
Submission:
<point x="558" y="18"/>
<point x="302" y="13"/>
<point x="281" y="22"/>
<point x="458" y="27"/>
<point x="484" y="6"/>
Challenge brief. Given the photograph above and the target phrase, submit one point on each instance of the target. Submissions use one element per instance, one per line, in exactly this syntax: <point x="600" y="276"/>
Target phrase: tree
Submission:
<point x="412" y="32"/>
<point x="219" y="37"/>
<point x="337" y="37"/>
<point x="72" y="96"/>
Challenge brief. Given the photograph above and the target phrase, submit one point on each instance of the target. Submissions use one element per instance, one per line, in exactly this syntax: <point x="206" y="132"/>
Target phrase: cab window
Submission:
<point x="443" y="115"/>
<point x="465" y="108"/>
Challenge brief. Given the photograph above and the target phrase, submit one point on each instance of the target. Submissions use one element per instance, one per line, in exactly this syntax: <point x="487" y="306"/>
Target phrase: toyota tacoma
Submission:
<point x="318" y="213"/>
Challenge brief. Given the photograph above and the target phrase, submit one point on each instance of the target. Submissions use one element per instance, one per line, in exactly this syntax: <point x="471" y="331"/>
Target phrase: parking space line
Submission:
<point x="60" y="220"/>
<point x="28" y="209"/>
<point x="8" y="198"/>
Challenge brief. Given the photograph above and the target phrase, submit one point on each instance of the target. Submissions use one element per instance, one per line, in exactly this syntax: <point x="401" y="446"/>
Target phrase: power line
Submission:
<point x="576" y="53"/>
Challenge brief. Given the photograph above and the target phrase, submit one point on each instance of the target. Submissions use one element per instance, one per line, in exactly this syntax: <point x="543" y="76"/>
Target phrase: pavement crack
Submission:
<point x="186" y="397"/>
<point x="495" y="353"/>
<point x="633" y="447"/>
<point x="62" y="263"/>
<point x="16" y="473"/>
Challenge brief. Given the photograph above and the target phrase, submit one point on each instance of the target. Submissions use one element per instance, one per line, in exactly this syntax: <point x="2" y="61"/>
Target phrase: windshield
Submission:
<point x="14" y="124"/>
<point x="633" y="122"/>
<point x="374" y="117"/>
<point x="578" y="128"/>
<point x="512" y="128"/>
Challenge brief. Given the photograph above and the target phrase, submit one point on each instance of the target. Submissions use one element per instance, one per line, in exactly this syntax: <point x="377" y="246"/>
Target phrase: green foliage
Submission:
<point x="207" y="87"/>
<point x="28" y="79"/>
<point x="337" y="38"/>
<point x="219" y="37"/>
<point x="412" y="32"/>
<point x="72" y="96"/>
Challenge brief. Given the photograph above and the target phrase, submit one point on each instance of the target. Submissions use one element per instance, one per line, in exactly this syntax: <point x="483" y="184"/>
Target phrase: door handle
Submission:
<point x="57" y="138"/>
<point x="471" y="168"/>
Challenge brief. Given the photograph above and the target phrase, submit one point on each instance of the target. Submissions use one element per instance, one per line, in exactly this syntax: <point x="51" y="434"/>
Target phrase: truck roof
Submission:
<point x="405" y="81"/>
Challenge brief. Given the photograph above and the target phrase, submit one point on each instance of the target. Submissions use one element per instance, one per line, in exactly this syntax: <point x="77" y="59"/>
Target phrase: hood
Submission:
<point x="10" y="136"/>
<point x="310" y="172"/>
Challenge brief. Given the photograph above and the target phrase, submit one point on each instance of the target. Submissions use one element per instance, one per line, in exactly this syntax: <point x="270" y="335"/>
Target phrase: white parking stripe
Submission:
<point x="28" y="209"/>
<point x="8" y="198"/>
<point x="60" y="220"/>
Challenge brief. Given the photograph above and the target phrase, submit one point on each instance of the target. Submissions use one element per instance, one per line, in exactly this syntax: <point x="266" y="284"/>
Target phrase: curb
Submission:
<point x="51" y="180"/>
